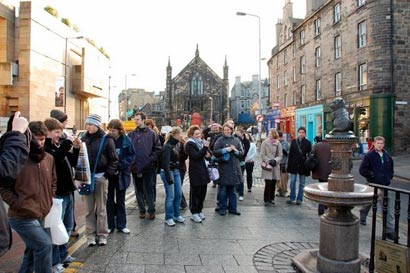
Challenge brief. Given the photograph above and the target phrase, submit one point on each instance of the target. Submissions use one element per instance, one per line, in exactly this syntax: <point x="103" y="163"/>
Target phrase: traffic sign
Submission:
<point x="259" y="118"/>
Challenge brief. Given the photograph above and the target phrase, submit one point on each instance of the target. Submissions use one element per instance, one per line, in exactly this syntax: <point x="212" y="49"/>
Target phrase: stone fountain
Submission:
<point x="339" y="229"/>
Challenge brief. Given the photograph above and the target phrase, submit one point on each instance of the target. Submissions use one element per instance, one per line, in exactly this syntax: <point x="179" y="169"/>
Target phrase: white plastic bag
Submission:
<point x="53" y="221"/>
<point x="82" y="169"/>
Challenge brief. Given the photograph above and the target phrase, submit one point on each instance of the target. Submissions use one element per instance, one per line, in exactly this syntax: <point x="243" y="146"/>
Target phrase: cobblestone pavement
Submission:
<point x="262" y="239"/>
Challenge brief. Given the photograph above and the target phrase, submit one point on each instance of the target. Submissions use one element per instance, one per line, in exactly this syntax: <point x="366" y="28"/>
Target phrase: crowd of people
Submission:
<point x="38" y="159"/>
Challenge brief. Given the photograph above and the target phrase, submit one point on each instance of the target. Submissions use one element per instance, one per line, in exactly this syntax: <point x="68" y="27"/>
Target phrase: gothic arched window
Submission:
<point x="197" y="86"/>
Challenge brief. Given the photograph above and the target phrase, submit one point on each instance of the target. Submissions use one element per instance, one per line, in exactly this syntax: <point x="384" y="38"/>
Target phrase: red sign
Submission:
<point x="259" y="118"/>
<point x="276" y="104"/>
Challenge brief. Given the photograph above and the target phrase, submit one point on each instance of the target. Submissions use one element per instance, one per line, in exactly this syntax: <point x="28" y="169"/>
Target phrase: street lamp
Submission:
<point x="126" y="94"/>
<point x="259" y="59"/>
<point x="210" y="119"/>
<point x="133" y="75"/>
<point x="65" y="69"/>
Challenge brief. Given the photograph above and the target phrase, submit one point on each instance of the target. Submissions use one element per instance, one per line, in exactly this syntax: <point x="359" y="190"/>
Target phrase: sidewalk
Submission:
<point x="262" y="239"/>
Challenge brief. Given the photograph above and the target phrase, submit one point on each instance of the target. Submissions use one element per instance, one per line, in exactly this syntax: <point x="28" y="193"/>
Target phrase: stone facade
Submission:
<point x="244" y="98"/>
<point x="190" y="91"/>
<point x="383" y="57"/>
<point x="136" y="98"/>
<point x="34" y="64"/>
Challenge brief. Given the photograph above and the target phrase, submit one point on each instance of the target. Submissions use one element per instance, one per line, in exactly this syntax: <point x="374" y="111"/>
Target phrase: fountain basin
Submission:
<point x="362" y="195"/>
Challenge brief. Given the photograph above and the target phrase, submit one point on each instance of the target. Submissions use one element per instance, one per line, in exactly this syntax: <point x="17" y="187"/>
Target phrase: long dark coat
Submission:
<point x="296" y="159"/>
<point x="322" y="171"/>
<point x="229" y="172"/>
<point x="197" y="170"/>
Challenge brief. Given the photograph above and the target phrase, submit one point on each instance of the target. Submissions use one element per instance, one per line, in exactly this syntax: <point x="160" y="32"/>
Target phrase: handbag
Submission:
<point x="86" y="189"/>
<point x="213" y="173"/>
<point x="82" y="169"/>
<point x="311" y="162"/>
<point x="265" y="164"/>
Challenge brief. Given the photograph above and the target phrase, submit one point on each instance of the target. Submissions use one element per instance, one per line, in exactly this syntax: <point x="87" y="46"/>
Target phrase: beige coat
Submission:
<point x="271" y="151"/>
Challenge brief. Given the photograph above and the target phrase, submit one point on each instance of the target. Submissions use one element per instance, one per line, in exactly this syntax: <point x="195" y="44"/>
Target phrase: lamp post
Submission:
<point x="210" y="118"/>
<point x="259" y="59"/>
<point x="65" y="69"/>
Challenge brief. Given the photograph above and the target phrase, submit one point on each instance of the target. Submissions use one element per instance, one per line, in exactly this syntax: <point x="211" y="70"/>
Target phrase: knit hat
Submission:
<point x="59" y="115"/>
<point x="94" y="119"/>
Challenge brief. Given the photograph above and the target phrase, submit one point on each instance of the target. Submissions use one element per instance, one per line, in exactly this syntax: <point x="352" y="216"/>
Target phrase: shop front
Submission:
<point x="287" y="122"/>
<point x="312" y="118"/>
<point x="272" y="119"/>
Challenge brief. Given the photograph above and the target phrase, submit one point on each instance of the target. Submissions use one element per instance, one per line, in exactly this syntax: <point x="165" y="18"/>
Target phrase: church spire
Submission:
<point x="197" y="52"/>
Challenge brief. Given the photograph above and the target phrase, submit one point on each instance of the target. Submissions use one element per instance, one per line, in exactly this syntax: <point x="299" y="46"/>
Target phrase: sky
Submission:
<point x="140" y="35"/>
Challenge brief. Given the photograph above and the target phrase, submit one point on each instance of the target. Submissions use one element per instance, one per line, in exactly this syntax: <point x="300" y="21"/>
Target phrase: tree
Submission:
<point x="66" y="21"/>
<point x="52" y="11"/>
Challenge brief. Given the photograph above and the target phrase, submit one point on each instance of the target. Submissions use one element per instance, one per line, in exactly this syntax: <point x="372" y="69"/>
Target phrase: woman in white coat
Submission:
<point x="271" y="154"/>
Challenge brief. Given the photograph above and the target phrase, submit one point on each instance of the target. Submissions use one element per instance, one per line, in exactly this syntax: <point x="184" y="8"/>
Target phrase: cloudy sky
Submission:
<point x="140" y="35"/>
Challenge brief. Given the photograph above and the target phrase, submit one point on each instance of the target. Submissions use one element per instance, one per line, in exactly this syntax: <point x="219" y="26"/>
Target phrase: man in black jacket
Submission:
<point x="13" y="154"/>
<point x="144" y="169"/>
<point x="298" y="152"/>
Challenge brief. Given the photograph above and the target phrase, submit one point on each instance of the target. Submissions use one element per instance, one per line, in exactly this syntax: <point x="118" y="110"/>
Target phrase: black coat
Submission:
<point x="64" y="160"/>
<point x="296" y="159"/>
<point x="197" y="170"/>
<point x="108" y="161"/>
<point x="169" y="158"/>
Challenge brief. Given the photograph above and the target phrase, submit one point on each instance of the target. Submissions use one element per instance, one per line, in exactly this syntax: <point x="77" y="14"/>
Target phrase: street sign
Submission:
<point x="259" y="118"/>
<point x="276" y="104"/>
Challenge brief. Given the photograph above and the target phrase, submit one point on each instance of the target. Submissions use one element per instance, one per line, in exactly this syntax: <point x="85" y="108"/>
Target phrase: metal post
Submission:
<point x="65" y="75"/>
<point x="109" y="97"/>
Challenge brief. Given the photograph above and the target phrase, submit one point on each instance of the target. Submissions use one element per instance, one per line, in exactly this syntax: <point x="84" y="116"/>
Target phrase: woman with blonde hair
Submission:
<point x="171" y="178"/>
<point x="271" y="155"/>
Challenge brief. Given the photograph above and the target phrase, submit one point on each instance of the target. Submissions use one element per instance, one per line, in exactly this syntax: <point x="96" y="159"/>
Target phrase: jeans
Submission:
<point x="144" y="191"/>
<point x="116" y="212"/>
<point x="197" y="196"/>
<point x="37" y="255"/>
<point x="60" y="252"/>
<point x="173" y="194"/>
<point x="269" y="192"/>
<point x="225" y="193"/>
<point x="302" y="180"/>
<point x="249" y="170"/>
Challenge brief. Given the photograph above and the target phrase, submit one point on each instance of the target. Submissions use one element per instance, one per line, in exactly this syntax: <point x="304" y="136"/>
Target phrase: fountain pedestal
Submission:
<point x="339" y="228"/>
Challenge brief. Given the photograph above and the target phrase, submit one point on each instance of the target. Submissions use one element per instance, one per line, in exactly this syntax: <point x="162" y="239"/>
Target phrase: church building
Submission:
<point x="196" y="95"/>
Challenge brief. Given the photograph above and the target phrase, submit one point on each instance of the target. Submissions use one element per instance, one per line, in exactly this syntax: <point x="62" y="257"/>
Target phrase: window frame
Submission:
<point x="338" y="49"/>
<point x="317" y="24"/>
<point x="361" y="3"/>
<point x="337" y="13"/>
<point x="338" y="84"/>
<point x="362" y="34"/>
<point x="318" y="89"/>
<point x="302" y="63"/>
<point x="362" y="76"/>
<point x="302" y="37"/>
<point x="318" y="57"/>
<point x="302" y="93"/>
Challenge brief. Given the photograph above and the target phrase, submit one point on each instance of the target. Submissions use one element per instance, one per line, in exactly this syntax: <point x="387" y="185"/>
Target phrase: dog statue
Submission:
<point x="340" y="116"/>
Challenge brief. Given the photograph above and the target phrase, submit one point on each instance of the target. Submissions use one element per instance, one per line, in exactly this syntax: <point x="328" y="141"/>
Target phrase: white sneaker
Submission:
<point x="179" y="219"/>
<point x="170" y="222"/>
<point x="125" y="230"/>
<point x="196" y="218"/>
<point x="58" y="268"/>
<point x="91" y="242"/>
<point x="240" y="198"/>
<point x="202" y="216"/>
<point x="102" y="241"/>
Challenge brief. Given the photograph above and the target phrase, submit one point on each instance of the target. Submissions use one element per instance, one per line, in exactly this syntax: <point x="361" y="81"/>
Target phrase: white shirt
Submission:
<point x="250" y="157"/>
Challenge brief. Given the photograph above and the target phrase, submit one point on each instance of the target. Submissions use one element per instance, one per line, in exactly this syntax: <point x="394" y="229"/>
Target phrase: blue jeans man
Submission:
<point x="173" y="194"/>
<point x="37" y="255"/>
<point x="302" y="180"/>
<point x="61" y="252"/>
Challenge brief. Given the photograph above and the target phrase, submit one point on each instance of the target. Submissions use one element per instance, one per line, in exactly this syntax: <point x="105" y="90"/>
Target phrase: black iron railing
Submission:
<point x="397" y="207"/>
